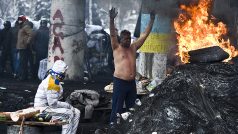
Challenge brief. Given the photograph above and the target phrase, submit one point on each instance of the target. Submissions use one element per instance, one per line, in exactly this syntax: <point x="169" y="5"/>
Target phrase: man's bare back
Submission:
<point x="124" y="52"/>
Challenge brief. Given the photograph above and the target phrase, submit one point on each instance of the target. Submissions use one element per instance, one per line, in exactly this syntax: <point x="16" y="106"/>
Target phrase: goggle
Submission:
<point x="59" y="76"/>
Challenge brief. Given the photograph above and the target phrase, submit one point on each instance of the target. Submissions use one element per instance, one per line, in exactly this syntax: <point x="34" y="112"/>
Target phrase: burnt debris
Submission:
<point x="197" y="98"/>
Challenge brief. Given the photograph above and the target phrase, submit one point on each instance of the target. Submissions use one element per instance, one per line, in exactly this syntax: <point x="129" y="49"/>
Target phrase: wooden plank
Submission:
<point x="24" y="113"/>
<point x="5" y="115"/>
<point x="34" y="123"/>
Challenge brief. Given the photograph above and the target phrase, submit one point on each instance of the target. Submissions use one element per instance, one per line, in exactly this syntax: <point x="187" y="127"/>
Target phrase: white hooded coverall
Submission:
<point x="47" y="96"/>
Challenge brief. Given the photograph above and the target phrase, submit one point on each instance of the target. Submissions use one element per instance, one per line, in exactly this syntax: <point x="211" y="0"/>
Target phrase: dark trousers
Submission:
<point x="15" y="61"/>
<point x="6" y="56"/>
<point x="31" y="64"/>
<point x="122" y="91"/>
<point x="23" y="69"/>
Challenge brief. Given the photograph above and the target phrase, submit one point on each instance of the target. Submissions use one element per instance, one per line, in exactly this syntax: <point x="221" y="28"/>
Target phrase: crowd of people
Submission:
<point x="22" y="47"/>
<point x="25" y="47"/>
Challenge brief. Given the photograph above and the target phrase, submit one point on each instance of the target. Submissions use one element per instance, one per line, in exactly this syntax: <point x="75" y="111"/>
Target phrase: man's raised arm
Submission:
<point x="113" y="35"/>
<point x="146" y="33"/>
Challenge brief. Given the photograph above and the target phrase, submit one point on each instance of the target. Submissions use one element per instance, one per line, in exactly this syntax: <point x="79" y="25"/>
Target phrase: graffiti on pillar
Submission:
<point x="77" y="46"/>
<point x="57" y="44"/>
<point x="58" y="24"/>
<point x="58" y="17"/>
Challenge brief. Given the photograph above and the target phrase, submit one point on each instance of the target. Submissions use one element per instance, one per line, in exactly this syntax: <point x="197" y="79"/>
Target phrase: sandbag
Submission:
<point x="84" y="99"/>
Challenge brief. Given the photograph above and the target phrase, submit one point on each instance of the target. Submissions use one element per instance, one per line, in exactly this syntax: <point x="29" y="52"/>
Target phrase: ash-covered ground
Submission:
<point x="16" y="95"/>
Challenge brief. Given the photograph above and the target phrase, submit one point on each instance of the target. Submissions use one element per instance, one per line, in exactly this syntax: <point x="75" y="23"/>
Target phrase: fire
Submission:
<point x="196" y="30"/>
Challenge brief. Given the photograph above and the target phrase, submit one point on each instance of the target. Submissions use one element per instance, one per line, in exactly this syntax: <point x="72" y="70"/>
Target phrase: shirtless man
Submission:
<point x="124" y="86"/>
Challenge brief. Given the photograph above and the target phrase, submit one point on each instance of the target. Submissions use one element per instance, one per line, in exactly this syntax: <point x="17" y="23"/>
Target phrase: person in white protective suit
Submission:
<point x="47" y="98"/>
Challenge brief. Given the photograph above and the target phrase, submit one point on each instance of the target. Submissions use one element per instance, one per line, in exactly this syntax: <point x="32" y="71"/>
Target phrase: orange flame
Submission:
<point x="196" y="31"/>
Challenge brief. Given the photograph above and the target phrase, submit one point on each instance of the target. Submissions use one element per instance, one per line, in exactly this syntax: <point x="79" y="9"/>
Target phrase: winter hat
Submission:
<point x="59" y="66"/>
<point x="22" y="18"/>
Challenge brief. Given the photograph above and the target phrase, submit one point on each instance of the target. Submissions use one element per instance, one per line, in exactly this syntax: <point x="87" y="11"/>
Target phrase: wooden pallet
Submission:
<point x="34" y="123"/>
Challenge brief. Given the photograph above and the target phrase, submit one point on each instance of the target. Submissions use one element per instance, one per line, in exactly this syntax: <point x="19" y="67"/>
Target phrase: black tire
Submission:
<point x="208" y="55"/>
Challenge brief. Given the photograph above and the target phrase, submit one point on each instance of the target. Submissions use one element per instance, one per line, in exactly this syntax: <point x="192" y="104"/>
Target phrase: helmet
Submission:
<point x="43" y="23"/>
<point x="7" y="24"/>
<point x="59" y="68"/>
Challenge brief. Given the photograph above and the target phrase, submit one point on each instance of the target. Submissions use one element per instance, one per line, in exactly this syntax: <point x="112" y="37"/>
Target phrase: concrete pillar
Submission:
<point x="153" y="54"/>
<point x="67" y="38"/>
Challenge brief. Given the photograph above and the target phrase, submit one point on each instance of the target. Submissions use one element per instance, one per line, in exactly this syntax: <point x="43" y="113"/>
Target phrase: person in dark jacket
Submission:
<point x="15" y="58"/>
<point x="5" y="45"/>
<point x="31" y="55"/>
<point x="40" y="44"/>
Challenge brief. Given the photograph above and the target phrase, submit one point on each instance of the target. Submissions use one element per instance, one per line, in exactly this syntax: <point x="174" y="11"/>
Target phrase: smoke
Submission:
<point x="163" y="7"/>
<point x="128" y="12"/>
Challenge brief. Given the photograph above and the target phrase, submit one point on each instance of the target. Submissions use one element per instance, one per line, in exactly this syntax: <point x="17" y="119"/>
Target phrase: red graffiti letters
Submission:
<point x="58" y="15"/>
<point x="57" y="43"/>
<point x="58" y="58"/>
<point x="58" y="23"/>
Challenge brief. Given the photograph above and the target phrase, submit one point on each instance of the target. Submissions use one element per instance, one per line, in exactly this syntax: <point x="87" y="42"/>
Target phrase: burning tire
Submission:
<point x="208" y="55"/>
